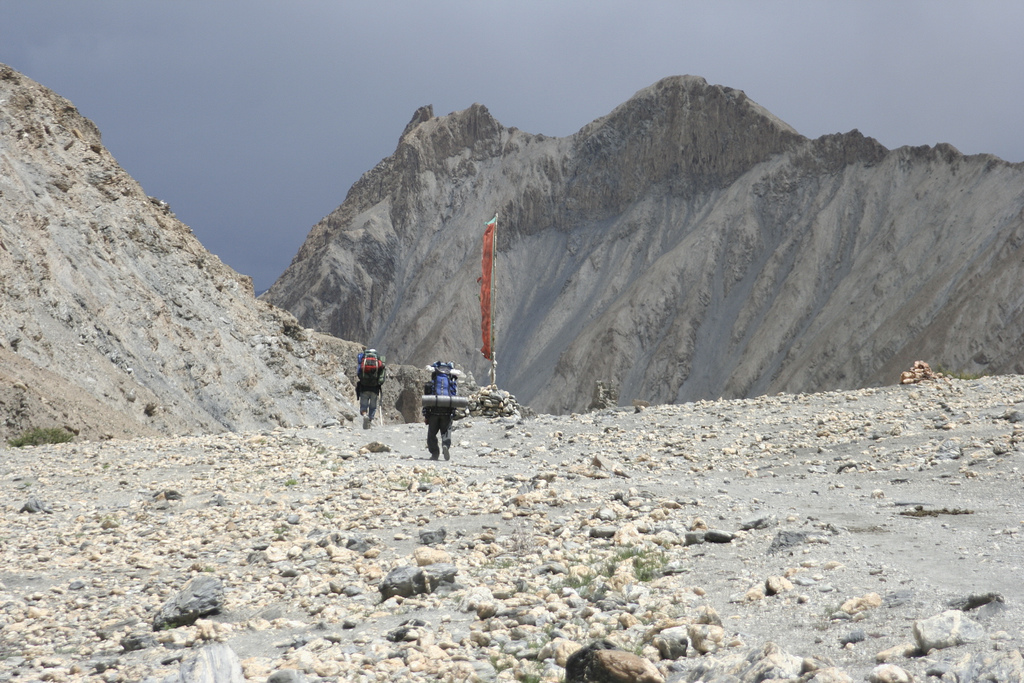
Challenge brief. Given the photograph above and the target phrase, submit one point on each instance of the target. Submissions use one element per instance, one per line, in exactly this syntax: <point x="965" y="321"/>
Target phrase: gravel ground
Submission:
<point x="828" y="524"/>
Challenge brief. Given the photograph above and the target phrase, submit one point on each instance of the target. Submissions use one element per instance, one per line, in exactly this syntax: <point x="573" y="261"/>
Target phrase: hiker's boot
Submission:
<point x="366" y="421"/>
<point x="447" y="456"/>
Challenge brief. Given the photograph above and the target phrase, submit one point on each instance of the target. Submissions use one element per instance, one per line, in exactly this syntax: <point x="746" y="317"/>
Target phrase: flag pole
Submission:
<point x="494" y="353"/>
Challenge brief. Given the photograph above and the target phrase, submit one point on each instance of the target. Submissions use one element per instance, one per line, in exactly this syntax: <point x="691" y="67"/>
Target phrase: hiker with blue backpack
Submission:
<point x="370" y="376"/>
<point x="440" y="401"/>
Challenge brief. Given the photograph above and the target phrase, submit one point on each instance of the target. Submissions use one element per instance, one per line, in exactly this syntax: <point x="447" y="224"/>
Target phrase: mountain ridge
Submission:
<point x="688" y="245"/>
<point x="114" y="320"/>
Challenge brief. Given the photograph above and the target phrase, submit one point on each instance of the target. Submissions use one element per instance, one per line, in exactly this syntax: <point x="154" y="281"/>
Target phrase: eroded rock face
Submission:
<point x="114" y="319"/>
<point x="688" y="245"/>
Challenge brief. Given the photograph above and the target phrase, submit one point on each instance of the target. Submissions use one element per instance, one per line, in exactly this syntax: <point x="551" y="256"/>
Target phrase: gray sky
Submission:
<point x="253" y="118"/>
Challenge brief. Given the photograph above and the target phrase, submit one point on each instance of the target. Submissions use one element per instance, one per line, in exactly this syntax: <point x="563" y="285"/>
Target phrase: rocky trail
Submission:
<point x="865" y="535"/>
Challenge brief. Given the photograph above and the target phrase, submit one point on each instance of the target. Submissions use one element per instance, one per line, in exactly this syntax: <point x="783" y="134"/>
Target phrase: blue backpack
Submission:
<point x="445" y="383"/>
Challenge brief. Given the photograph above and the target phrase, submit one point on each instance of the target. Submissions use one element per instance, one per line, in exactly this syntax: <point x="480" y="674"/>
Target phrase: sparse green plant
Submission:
<point x="504" y="563"/>
<point x="398" y="484"/>
<point x="954" y="374"/>
<point x="577" y="582"/>
<point x="501" y="662"/>
<point x="529" y="676"/>
<point x="831" y="608"/>
<point x="827" y="613"/>
<point x="40" y="436"/>
<point x="647" y="564"/>
<point x="522" y="542"/>
<point x="609" y="566"/>
<point x="291" y="482"/>
<point x="539" y="640"/>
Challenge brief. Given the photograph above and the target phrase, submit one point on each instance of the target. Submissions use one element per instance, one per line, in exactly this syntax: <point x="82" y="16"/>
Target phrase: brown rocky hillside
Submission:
<point x="114" y="319"/>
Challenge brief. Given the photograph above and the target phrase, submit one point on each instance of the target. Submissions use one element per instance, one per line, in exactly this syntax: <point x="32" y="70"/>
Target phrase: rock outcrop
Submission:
<point x="688" y="245"/>
<point x="114" y="320"/>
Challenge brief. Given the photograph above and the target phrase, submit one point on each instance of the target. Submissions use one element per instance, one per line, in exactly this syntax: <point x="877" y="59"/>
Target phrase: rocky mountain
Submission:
<point x="114" y="319"/>
<point x="688" y="245"/>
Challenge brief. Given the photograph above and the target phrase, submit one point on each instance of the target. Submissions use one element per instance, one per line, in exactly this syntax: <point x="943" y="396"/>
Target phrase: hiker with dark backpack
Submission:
<point x="370" y="376"/>
<point x="440" y="401"/>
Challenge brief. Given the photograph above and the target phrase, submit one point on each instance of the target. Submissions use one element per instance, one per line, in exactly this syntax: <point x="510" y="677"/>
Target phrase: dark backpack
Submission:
<point x="370" y="369"/>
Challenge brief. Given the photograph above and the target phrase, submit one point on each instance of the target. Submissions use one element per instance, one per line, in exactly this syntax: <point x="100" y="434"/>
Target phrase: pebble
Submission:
<point x="675" y="535"/>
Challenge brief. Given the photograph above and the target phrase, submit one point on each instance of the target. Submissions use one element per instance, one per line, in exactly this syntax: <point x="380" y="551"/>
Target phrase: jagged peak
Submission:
<point x="444" y="136"/>
<point x="423" y="114"/>
<point x="476" y="119"/>
<point x="687" y="93"/>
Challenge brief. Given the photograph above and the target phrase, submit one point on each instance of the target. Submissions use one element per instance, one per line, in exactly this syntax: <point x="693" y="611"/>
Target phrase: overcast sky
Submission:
<point x="252" y="118"/>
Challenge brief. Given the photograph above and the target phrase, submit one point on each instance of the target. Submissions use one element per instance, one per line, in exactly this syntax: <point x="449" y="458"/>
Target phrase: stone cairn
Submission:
<point x="921" y="372"/>
<point x="491" y="401"/>
<point x="606" y="395"/>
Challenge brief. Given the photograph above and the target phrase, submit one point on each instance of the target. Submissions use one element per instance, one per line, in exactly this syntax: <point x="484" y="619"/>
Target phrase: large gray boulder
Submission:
<point x="767" y="662"/>
<point x="199" y="597"/>
<point x="215" y="663"/>
<point x="409" y="581"/>
<point x="949" y="629"/>
<point x="981" y="667"/>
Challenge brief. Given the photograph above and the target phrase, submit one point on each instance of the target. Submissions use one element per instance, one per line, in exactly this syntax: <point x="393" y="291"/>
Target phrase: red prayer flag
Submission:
<point x="485" y="287"/>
